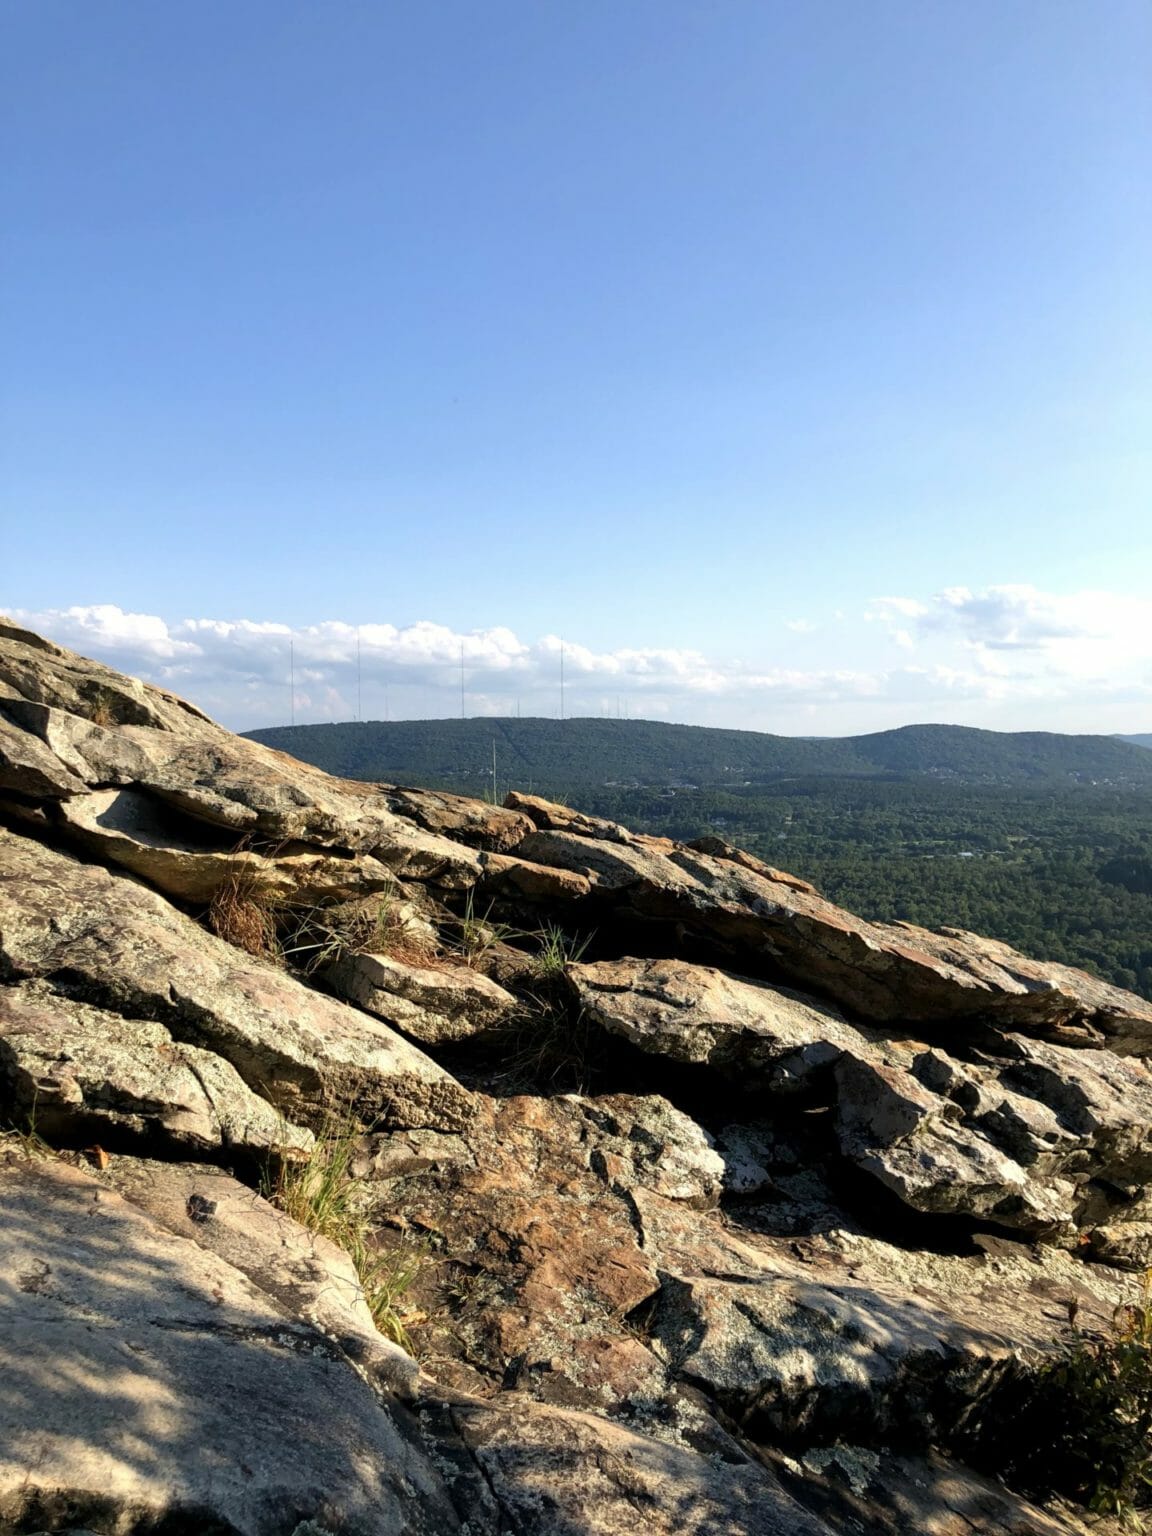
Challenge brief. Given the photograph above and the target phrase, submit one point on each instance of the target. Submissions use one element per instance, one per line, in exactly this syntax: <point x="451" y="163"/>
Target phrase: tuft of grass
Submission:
<point x="319" y="936"/>
<point x="243" y="913"/>
<point x="557" y="950"/>
<point x="322" y="1193"/>
<point x="24" y="1139"/>
<point x="477" y="933"/>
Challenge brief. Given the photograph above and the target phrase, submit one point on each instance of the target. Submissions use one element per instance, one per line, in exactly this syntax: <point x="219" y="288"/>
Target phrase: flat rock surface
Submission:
<point x="144" y="1376"/>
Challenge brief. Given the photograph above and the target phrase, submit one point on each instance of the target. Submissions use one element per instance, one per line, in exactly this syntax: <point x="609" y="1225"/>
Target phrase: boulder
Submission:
<point x="433" y="1004"/>
<point x="750" y="1030"/>
<point x="78" y="1072"/>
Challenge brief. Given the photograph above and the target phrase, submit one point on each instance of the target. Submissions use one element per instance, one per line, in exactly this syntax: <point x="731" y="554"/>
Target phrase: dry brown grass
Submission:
<point x="242" y="912"/>
<point x="319" y="936"/>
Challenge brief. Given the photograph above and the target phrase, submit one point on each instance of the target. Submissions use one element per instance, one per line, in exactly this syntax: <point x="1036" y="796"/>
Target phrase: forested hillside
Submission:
<point x="554" y="753"/>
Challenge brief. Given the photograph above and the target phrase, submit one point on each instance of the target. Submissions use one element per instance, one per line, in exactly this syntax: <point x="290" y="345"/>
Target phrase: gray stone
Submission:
<point x="694" y="1013"/>
<point x="145" y="1377"/>
<point x="79" y="1070"/>
<point x="305" y="1273"/>
<point x="561" y="1473"/>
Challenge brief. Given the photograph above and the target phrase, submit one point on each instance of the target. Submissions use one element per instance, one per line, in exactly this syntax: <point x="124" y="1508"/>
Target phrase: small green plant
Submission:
<point x="477" y="933"/>
<point x="323" y="1194"/>
<point x="24" y="1138"/>
<point x="557" y="950"/>
<point x="1081" y="1426"/>
<point x="1107" y="1382"/>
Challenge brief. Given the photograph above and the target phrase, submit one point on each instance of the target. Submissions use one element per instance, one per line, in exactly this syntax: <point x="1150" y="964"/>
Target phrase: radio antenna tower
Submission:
<point x="561" y="679"/>
<point x="292" y="682"/>
<point x="359" y="711"/>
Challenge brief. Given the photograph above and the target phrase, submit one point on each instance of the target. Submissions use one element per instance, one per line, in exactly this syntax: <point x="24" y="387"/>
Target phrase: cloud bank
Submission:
<point x="1010" y="655"/>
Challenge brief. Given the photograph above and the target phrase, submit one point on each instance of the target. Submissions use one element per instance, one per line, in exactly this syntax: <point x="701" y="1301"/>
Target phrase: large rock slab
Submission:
<point x="110" y="942"/>
<point x="304" y="1272"/>
<point x="898" y="974"/>
<point x="749" y="1030"/>
<point x="531" y="1212"/>
<point x="146" y="1380"/>
<point x="79" y="1072"/>
<point x="191" y="861"/>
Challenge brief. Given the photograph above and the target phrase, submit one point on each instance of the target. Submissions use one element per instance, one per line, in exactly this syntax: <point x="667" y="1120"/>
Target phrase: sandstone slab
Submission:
<point x="432" y="1004"/>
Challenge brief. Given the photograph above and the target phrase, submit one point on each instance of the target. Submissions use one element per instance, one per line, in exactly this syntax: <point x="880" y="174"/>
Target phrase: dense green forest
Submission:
<point x="1053" y="855"/>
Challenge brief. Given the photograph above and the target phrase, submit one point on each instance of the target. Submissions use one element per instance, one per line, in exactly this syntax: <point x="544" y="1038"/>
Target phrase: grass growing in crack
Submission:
<point x="319" y="936"/>
<point x="25" y="1140"/>
<point x="477" y="933"/>
<point x="243" y="912"/>
<point x="322" y="1193"/>
<point x="557" y="950"/>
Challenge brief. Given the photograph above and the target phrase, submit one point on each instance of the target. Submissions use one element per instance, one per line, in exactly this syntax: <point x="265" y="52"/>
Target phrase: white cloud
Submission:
<point x="1018" y="632"/>
<point x="1007" y="655"/>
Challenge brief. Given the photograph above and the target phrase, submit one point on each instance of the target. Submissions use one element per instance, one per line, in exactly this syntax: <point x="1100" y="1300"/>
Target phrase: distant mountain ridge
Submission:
<point x="593" y="750"/>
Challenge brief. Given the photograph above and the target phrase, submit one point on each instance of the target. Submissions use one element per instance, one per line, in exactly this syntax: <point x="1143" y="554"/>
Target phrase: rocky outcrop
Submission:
<point x="103" y="939"/>
<point x="741" y="1223"/>
<point x="194" y="787"/>
<point x="1040" y="1137"/>
<point x="886" y="974"/>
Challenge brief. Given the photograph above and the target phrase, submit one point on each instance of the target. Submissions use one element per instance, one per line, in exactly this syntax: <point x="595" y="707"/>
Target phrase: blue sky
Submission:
<point x="790" y="363"/>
